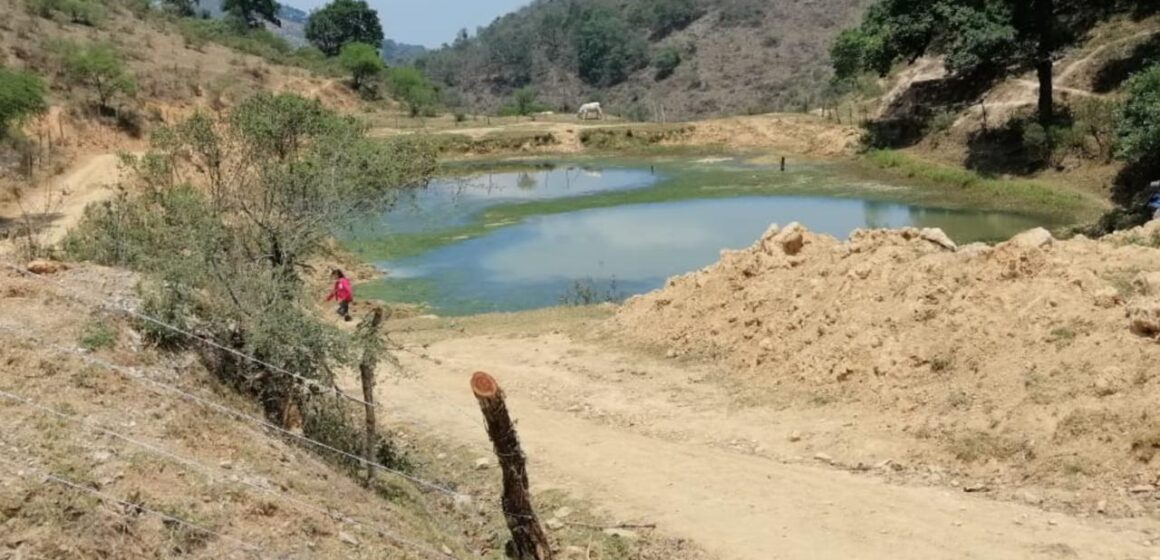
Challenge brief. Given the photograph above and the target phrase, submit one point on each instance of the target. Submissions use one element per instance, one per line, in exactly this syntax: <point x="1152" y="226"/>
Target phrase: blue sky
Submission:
<point x="429" y="22"/>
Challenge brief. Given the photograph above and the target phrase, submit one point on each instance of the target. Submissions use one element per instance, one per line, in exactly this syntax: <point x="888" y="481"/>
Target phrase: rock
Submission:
<point x="622" y="534"/>
<point x="789" y="240"/>
<point x="573" y="552"/>
<point x="226" y="465"/>
<point x="1148" y="283"/>
<point x="938" y="237"/>
<point x="347" y="538"/>
<point x="1107" y="298"/>
<point x="463" y="503"/>
<point x="1030" y="497"/>
<point x="766" y="344"/>
<point x="1142" y="489"/>
<point x="1144" y="318"/>
<point x="976" y="250"/>
<point x="102" y="456"/>
<point x="672" y="353"/>
<point x="1102" y="506"/>
<point x="795" y="436"/>
<point x="554" y="524"/>
<point x="482" y="463"/>
<point x="562" y="513"/>
<point x="824" y="458"/>
<point x="1037" y="238"/>
<point x="976" y="488"/>
<point x="41" y="266"/>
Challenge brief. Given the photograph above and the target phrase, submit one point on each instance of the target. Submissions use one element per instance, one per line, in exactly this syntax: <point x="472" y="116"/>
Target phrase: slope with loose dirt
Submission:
<point x="1024" y="367"/>
<point x="653" y="441"/>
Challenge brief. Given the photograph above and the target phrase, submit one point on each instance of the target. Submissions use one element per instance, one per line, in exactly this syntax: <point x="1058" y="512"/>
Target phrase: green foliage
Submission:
<point x="666" y="61"/>
<point x="99" y="68"/>
<point x="343" y="22"/>
<point x="979" y="38"/>
<point x="363" y="63"/>
<point x="607" y="49"/>
<point x="525" y="101"/>
<point x="80" y="12"/>
<point x="97" y="335"/>
<point x="252" y="13"/>
<point x="180" y="8"/>
<point x="22" y="94"/>
<point x="1138" y="122"/>
<point x="1096" y="117"/>
<point x="663" y="17"/>
<point x="412" y="88"/>
<point x="225" y="260"/>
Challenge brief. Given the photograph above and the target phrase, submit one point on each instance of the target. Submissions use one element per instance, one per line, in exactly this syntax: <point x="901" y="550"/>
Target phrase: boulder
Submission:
<point x="1148" y="283"/>
<point x="789" y="240"/>
<point x="1107" y="298"/>
<point x="1037" y="238"/>
<point x="46" y="267"/>
<point x="1144" y="318"/>
<point x="938" y="237"/>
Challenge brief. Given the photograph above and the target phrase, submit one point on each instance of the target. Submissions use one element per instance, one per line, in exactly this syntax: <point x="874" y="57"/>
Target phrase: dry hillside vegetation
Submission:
<point x="734" y="57"/>
<point x="1032" y="362"/>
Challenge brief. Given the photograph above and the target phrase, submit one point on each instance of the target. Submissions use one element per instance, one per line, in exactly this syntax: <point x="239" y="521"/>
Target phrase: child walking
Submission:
<point x="342" y="294"/>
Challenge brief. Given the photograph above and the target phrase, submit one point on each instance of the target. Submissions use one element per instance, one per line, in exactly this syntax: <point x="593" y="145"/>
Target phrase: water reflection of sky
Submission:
<point x="532" y="264"/>
<point x="452" y="202"/>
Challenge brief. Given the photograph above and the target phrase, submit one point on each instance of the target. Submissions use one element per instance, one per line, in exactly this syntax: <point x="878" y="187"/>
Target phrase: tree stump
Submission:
<point x="529" y="542"/>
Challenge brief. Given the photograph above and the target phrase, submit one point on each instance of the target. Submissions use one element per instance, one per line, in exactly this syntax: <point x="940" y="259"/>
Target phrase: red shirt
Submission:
<point x="341" y="291"/>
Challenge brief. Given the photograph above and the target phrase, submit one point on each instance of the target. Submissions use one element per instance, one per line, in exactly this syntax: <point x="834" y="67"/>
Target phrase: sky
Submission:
<point x="428" y="22"/>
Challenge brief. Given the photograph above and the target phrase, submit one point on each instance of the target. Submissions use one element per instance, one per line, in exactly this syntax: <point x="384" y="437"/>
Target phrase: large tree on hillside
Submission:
<point x="253" y="12"/>
<point x="979" y="38"/>
<point x="343" y="22"/>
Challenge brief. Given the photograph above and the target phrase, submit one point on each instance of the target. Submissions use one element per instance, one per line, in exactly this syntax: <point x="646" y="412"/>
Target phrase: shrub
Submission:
<point x="412" y="88"/>
<point x="665" y="61"/>
<point x="22" y="94"/>
<point x="362" y="62"/>
<point x="99" y="68"/>
<point x="97" y="335"/>
<point x="1138" y="121"/>
<point x="525" y="101"/>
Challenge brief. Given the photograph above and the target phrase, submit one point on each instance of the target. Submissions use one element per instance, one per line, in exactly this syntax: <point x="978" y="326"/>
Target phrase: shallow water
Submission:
<point x="611" y="253"/>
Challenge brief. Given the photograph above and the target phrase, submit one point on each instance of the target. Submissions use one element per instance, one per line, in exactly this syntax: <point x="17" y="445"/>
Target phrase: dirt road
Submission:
<point x="59" y="206"/>
<point x="650" y="441"/>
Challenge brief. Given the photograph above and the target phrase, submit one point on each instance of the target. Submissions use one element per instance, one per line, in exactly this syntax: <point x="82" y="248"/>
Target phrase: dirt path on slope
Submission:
<point x="649" y="441"/>
<point x="59" y="206"/>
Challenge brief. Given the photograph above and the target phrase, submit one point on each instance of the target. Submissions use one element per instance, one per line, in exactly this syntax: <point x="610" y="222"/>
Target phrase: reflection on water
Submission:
<point x="452" y="202"/>
<point x="532" y="264"/>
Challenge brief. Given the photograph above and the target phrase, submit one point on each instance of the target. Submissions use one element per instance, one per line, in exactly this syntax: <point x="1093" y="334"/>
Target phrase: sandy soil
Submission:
<point x="650" y="440"/>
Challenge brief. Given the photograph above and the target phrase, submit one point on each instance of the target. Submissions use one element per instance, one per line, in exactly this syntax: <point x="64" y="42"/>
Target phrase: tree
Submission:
<point x="100" y="68"/>
<point x="1138" y="126"/>
<point x="666" y="62"/>
<point x="525" y="101"/>
<point x="253" y="12"/>
<point x="607" y="50"/>
<point x="342" y="22"/>
<point x="979" y="38"/>
<point x="411" y="87"/>
<point x="22" y="94"/>
<point x="363" y="63"/>
<point x="180" y="8"/>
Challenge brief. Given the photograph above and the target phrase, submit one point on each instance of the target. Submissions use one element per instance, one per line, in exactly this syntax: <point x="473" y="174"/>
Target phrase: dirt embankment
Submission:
<point x="1029" y="364"/>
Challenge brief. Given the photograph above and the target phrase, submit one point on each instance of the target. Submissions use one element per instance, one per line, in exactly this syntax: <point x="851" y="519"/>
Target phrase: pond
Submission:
<point x="482" y="245"/>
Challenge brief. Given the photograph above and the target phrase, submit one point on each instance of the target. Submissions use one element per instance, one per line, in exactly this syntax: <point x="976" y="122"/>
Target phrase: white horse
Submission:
<point x="590" y="109"/>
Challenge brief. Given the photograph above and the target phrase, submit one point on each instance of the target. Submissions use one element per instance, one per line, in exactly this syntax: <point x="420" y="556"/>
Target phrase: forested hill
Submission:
<point x="694" y="58"/>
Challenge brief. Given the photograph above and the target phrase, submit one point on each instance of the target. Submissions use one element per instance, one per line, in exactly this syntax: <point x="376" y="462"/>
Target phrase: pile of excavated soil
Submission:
<point x="1033" y="360"/>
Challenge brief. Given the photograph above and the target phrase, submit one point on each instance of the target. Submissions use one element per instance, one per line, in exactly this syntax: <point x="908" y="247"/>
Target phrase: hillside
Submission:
<point x="693" y="58"/>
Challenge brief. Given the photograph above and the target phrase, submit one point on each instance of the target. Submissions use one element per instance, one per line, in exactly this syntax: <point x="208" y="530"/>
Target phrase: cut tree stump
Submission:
<point x="529" y="542"/>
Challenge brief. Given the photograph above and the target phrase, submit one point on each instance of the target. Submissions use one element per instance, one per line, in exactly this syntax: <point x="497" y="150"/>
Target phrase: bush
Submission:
<point x="362" y="62"/>
<point x="22" y="94"/>
<point x="1138" y="121"/>
<point x="97" y="335"/>
<point x="741" y="13"/>
<point x="666" y="61"/>
<point x="99" y="68"/>
<point x="524" y="102"/>
<point x="1096" y="118"/>
<point x="412" y="88"/>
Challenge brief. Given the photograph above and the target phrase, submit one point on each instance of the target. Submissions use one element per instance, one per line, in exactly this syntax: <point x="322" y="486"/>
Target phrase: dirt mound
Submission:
<point x="797" y="134"/>
<point x="1033" y="360"/>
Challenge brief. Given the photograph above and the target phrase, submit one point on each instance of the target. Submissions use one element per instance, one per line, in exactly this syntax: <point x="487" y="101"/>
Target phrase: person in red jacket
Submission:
<point x="341" y="293"/>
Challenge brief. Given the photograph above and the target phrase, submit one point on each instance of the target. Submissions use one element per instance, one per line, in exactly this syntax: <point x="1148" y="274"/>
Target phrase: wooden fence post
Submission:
<point x="529" y="542"/>
<point x="366" y="368"/>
